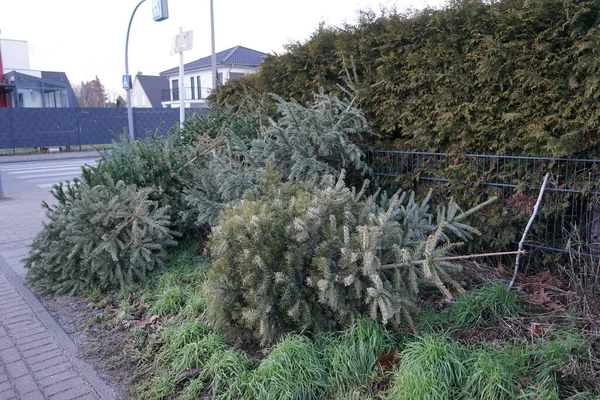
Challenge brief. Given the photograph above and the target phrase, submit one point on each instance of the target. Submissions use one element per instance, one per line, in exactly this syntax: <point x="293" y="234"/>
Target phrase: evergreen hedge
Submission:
<point x="512" y="76"/>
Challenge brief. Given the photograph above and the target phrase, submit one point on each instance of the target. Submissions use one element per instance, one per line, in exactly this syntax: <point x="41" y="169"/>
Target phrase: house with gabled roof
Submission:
<point x="147" y="90"/>
<point x="231" y="64"/>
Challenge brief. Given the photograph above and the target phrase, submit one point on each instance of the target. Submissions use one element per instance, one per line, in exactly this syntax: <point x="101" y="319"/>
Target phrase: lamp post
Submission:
<point x="127" y="77"/>
<point x="160" y="12"/>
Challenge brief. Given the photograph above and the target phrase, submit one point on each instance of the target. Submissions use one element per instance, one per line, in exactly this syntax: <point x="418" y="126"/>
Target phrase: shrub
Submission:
<point x="312" y="257"/>
<point x="302" y="142"/>
<point x="159" y="162"/>
<point x="98" y="237"/>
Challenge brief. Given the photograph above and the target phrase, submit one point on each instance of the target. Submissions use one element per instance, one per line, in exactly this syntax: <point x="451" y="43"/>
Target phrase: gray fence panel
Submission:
<point x="101" y="125"/>
<point x="6" y="141"/>
<point x="161" y="119"/>
<point x="43" y="127"/>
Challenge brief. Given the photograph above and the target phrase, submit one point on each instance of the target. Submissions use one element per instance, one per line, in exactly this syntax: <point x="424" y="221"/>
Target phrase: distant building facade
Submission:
<point x="20" y="86"/>
<point x="147" y="91"/>
<point x="231" y="63"/>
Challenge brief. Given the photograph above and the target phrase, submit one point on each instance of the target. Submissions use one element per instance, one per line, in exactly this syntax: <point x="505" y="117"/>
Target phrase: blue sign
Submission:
<point x="160" y="10"/>
<point x="126" y="81"/>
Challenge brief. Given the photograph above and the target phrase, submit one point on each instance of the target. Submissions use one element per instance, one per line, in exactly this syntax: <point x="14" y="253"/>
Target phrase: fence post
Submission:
<point x="78" y="126"/>
<point x="1" y="190"/>
<point x="12" y="133"/>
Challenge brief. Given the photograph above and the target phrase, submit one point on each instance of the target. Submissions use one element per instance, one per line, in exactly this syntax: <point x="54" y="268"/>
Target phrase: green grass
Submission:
<point x="432" y="367"/>
<point x="495" y="373"/>
<point x="195" y="354"/>
<point x="341" y="365"/>
<point x="351" y="355"/>
<point x="294" y="369"/>
<point x="486" y="305"/>
<point x="223" y="368"/>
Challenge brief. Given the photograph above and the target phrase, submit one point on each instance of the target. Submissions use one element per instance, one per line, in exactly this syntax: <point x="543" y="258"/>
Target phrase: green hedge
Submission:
<point x="512" y="76"/>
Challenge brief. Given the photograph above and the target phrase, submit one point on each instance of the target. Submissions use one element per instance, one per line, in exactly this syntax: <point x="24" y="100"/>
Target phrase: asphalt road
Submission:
<point x="29" y="176"/>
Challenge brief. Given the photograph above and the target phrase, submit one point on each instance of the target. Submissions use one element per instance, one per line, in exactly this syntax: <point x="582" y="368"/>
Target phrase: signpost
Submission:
<point x="181" y="42"/>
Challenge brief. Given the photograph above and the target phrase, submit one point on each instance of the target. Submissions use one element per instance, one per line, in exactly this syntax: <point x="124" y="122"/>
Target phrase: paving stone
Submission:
<point x="56" y="378"/>
<point x="5" y="343"/>
<point x="36" y="343"/>
<point x="52" y="370"/>
<point x="19" y="328"/>
<point x="17" y="369"/>
<point x="42" y="334"/>
<point x="49" y="363"/>
<point x="76" y="382"/>
<point x="8" y="394"/>
<point x="44" y="356"/>
<point x="3" y="377"/>
<point x="73" y="393"/>
<point x="50" y="346"/>
<point x="6" y="385"/>
<point x="25" y="384"/>
<point x="35" y="395"/>
<point x="9" y="355"/>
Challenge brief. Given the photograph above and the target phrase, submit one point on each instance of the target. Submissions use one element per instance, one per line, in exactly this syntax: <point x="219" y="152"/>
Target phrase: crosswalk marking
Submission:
<point x="46" y="174"/>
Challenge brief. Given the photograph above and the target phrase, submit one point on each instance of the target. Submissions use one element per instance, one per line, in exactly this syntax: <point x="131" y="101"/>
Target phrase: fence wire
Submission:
<point x="570" y="203"/>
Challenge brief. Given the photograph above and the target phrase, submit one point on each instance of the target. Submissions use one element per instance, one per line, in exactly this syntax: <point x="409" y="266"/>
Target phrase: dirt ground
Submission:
<point x="105" y="350"/>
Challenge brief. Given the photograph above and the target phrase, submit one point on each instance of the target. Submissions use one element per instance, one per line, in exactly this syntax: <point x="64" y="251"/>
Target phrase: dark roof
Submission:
<point x="62" y="77"/>
<point x="153" y="87"/>
<point x="237" y="55"/>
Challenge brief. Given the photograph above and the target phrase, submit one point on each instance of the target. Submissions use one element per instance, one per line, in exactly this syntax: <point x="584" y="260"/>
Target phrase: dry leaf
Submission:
<point x="387" y="361"/>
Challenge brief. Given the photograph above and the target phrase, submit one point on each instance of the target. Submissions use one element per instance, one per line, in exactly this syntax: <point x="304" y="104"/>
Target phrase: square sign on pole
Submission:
<point x="160" y="10"/>
<point x="182" y="41"/>
<point x="126" y="82"/>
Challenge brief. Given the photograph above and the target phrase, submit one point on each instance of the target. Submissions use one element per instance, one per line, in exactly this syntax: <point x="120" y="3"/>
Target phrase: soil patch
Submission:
<point x="105" y="349"/>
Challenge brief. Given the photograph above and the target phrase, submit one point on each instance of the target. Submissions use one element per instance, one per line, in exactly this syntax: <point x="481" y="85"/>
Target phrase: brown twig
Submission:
<point x="451" y="258"/>
<point x="522" y="242"/>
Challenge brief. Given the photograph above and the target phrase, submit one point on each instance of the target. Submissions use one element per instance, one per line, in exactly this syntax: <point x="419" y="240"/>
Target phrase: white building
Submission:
<point x="231" y="63"/>
<point x="29" y="88"/>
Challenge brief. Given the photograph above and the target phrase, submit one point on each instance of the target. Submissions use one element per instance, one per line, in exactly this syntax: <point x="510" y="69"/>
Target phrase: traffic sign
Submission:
<point x="160" y="10"/>
<point x="126" y="81"/>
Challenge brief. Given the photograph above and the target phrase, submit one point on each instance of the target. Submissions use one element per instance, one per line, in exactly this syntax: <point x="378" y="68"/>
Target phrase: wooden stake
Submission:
<point x="452" y="258"/>
<point x="522" y="242"/>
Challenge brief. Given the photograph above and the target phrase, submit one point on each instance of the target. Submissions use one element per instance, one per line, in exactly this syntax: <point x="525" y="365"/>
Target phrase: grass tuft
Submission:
<point x="432" y="367"/>
<point x="293" y="370"/>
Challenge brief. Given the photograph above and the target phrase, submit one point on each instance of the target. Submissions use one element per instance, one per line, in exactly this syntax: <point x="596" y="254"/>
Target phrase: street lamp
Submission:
<point x="160" y="12"/>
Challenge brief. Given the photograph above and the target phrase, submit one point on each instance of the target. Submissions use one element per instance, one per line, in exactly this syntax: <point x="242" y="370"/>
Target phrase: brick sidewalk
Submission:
<point x="38" y="360"/>
<point x="32" y="363"/>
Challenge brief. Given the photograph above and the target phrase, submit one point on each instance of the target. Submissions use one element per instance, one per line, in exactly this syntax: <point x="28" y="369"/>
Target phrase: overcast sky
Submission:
<point x="85" y="38"/>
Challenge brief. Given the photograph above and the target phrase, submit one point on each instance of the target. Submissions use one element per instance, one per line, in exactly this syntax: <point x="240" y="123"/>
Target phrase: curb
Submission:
<point x="49" y="156"/>
<point x="63" y="339"/>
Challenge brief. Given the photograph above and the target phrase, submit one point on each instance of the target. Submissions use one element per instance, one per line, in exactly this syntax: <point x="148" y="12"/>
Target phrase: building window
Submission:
<point x="220" y="79"/>
<point x="199" y="86"/>
<point x="192" y="88"/>
<point x="175" y="89"/>
<point x="234" y="75"/>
